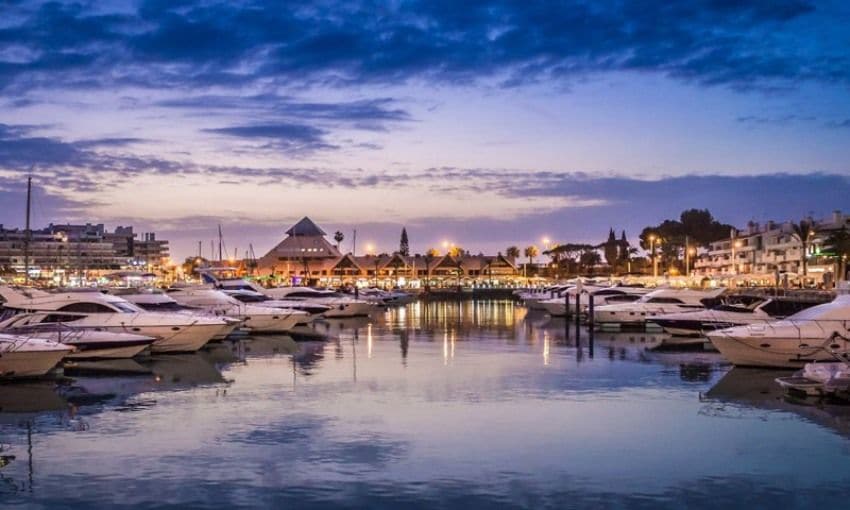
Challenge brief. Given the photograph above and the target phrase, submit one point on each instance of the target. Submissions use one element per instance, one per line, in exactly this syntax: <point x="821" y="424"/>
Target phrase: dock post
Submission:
<point x="590" y="311"/>
<point x="578" y="308"/>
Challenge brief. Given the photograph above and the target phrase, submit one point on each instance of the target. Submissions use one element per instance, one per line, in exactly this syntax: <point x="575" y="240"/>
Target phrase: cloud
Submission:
<point x="295" y="139"/>
<point x="758" y="44"/>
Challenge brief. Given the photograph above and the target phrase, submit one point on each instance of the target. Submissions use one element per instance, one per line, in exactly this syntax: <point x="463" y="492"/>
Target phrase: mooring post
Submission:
<point x="578" y="308"/>
<point x="590" y="311"/>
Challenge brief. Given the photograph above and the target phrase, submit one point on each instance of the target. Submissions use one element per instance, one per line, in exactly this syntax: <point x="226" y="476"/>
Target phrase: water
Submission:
<point x="445" y="405"/>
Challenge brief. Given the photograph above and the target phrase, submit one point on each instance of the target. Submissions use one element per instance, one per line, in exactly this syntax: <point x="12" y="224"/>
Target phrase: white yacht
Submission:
<point x="743" y="310"/>
<point x="653" y="304"/>
<point x="155" y="300"/>
<point x="258" y="319"/>
<point x="103" y="312"/>
<point x="815" y="334"/>
<point x="87" y="343"/>
<point x="533" y="298"/>
<point x="339" y="305"/>
<point x="383" y="297"/>
<point x="21" y="356"/>
<point x="313" y="310"/>
<point x="566" y="303"/>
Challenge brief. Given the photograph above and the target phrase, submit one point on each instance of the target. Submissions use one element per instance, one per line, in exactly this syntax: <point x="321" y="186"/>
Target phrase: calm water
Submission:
<point x="469" y="405"/>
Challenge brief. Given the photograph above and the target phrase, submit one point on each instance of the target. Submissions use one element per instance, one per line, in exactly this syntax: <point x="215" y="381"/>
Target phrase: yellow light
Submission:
<point x="370" y="248"/>
<point x="445" y="244"/>
<point x="546" y="241"/>
<point x="652" y="238"/>
<point x="738" y="244"/>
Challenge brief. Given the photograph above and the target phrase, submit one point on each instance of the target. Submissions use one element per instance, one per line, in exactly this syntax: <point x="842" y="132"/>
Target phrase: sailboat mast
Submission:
<point x="27" y="233"/>
<point x="220" y="258"/>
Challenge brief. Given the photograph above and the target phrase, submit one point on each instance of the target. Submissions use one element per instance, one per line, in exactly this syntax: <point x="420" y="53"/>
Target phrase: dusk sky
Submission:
<point x="483" y="123"/>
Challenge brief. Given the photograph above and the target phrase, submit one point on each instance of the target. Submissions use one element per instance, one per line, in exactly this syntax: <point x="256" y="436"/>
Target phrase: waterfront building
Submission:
<point x="761" y="253"/>
<point x="306" y="256"/>
<point x="63" y="252"/>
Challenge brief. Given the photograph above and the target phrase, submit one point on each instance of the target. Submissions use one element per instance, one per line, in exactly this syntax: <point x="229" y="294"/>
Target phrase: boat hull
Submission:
<point x="176" y="339"/>
<point x="118" y="351"/>
<point x="20" y="364"/>
<point x="776" y="352"/>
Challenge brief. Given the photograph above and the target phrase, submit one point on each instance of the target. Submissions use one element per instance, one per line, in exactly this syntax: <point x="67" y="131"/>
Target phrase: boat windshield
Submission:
<point x="126" y="307"/>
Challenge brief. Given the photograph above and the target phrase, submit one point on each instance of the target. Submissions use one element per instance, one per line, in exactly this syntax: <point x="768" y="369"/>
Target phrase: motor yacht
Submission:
<point x="155" y="300"/>
<point x="814" y="334"/>
<point x="104" y="312"/>
<point x="87" y="343"/>
<point x="566" y="303"/>
<point x="381" y="297"/>
<point x="655" y="303"/>
<point x="533" y="298"/>
<point x="743" y="310"/>
<point x="258" y="319"/>
<point x="313" y="310"/>
<point x="339" y="305"/>
<point x="22" y="356"/>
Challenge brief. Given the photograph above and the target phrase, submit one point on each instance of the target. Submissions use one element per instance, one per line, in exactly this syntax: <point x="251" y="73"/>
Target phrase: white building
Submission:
<point x="762" y="252"/>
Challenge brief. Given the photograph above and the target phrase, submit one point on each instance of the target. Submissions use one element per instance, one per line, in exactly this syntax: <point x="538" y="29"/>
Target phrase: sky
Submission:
<point x="485" y="124"/>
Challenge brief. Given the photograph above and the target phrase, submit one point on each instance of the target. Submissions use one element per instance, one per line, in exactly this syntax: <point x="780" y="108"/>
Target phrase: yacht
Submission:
<point x="743" y="310"/>
<point x="566" y="304"/>
<point x="327" y="303"/>
<point x="313" y="310"/>
<point x="340" y="305"/>
<point x="104" y="312"/>
<point x="21" y="356"/>
<point x="653" y="304"/>
<point x="155" y="300"/>
<point x="87" y="343"/>
<point x="533" y="298"/>
<point x="383" y="297"/>
<point x="814" y="334"/>
<point x="258" y="319"/>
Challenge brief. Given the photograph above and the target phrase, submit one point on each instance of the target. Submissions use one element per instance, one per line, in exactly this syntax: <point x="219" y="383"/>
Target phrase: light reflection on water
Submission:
<point x="470" y="404"/>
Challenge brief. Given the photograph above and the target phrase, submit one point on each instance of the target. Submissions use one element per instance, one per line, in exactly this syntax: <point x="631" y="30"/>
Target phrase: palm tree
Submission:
<point x="837" y="246"/>
<point x="531" y="252"/>
<point x="804" y="232"/>
<point x="338" y="237"/>
<point x="512" y="252"/>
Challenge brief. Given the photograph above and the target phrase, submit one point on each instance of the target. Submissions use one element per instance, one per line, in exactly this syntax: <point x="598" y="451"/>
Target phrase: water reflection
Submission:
<point x="450" y="404"/>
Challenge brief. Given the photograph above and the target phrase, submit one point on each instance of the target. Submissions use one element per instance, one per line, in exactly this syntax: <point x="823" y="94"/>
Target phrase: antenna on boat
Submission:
<point x="354" y="243"/>
<point x="27" y="233"/>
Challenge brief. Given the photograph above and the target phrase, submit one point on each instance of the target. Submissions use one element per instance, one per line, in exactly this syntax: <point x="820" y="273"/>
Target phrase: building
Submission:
<point x="762" y="253"/>
<point x="66" y="252"/>
<point x="305" y="256"/>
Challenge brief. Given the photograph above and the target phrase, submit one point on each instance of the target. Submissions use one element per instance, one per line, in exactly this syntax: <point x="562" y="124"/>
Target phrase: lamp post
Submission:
<point x="689" y="252"/>
<point x="652" y="240"/>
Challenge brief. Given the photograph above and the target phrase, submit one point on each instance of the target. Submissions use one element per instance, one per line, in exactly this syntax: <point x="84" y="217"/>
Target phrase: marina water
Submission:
<point x="459" y="404"/>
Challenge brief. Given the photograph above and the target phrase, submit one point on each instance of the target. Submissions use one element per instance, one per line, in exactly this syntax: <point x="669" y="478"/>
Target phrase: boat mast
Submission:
<point x="27" y="234"/>
<point x="219" y="243"/>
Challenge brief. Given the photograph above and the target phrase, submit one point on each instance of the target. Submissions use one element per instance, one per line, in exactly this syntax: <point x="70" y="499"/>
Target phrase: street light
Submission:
<point x="652" y="240"/>
<point x="689" y="252"/>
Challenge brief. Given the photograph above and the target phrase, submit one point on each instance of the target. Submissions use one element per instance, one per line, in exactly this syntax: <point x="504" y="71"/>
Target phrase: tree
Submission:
<point x="804" y="232"/>
<point x="404" y="245"/>
<point x="589" y="258"/>
<point x="338" y="237"/>
<point x="837" y="247"/>
<point x="531" y="252"/>
<point x="432" y="252"/>
<point x="512" y="252"/>
<point x="456" y="251"/>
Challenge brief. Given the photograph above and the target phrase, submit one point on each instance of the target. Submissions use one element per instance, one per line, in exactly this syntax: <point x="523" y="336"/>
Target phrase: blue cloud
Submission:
<point x="163" y="44"/>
